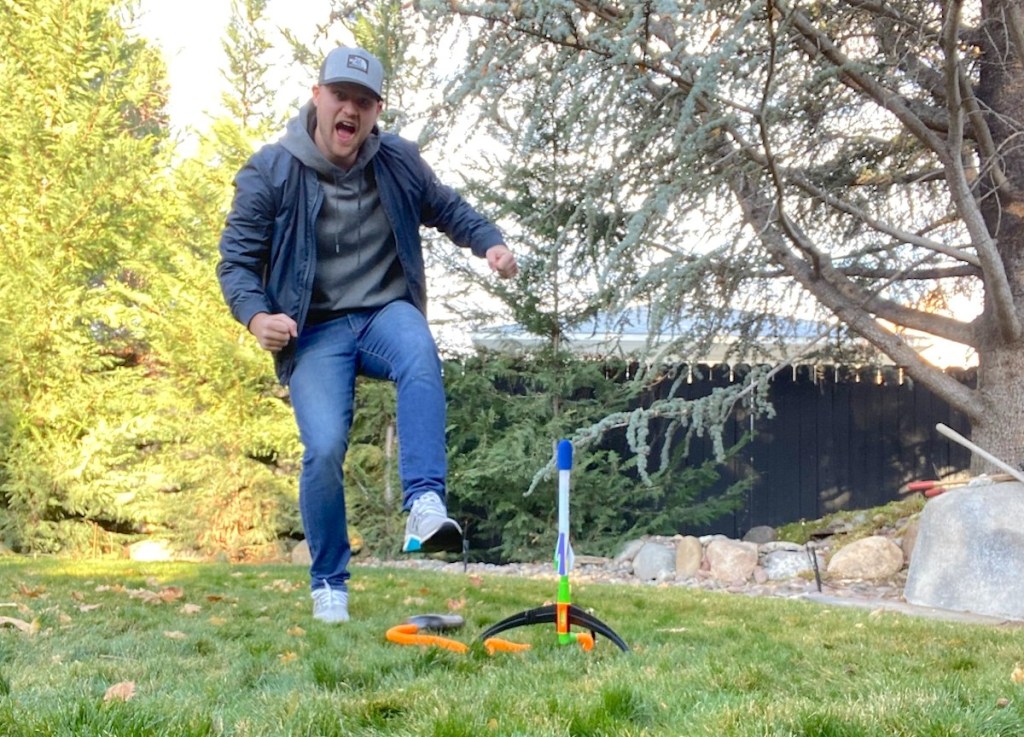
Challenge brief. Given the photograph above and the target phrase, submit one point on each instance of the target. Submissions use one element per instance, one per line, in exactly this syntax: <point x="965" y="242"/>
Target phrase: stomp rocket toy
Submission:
<point x="564" y="614"/>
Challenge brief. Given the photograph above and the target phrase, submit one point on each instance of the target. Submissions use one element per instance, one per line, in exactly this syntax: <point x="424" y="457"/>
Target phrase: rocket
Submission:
<point x="563" y="613"/>
<point x="563" y="547"/>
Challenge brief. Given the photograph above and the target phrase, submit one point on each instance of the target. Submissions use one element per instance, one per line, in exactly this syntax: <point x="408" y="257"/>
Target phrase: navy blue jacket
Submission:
<point x="268" y="246"/>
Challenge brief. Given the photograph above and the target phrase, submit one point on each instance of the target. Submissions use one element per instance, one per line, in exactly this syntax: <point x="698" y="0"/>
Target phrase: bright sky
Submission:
<point x="190" y="32"/>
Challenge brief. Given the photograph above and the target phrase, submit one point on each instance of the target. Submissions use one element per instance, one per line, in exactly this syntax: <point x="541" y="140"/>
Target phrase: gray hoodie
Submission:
<point x="357" y="263"/>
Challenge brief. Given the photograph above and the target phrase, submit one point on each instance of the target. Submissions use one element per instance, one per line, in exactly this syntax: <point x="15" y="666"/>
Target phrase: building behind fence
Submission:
<point x="841" y="439"/>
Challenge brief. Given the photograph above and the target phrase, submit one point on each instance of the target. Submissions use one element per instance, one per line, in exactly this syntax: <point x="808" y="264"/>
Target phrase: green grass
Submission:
<point x="233" y="651"/>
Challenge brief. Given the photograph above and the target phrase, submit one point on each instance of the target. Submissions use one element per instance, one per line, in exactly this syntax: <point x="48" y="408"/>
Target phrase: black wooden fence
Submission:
<point x="841" y="439"/>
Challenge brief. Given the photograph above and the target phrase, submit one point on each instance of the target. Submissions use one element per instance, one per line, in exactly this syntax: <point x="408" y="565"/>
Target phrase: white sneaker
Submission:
<point x="330" y="605"/>
<point x="429" y="529"/>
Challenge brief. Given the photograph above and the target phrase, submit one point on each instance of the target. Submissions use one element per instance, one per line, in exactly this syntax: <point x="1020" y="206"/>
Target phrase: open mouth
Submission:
<point x="345" y="130"/>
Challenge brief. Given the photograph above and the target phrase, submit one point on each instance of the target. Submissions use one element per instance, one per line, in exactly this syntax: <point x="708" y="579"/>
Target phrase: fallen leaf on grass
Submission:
<point x="1018" y="674"/>
<point x="29" y="628"/>
<point x="476" y="581"/>
<point x="89" y="607"/>
<point x="171" y="593"/>
<point x="455" y="605"/>
<point x="164" y="596"/>
<point x="191" y="609"/>
<point x="122" y="691"/>
<point x="218" y="621"/>
<point x="281" y="584"/>
<point x="33" y="593"/>
<point x="288" y="657"/>
<point x="296" y="631"/>
<point x="150" y="597"/>
<point x="175" y="635"/>
<point x="23" y="608"/>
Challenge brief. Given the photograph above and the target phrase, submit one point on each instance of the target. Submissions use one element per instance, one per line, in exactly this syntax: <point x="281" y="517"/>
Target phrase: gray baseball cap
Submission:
<point x="345" y="64"/>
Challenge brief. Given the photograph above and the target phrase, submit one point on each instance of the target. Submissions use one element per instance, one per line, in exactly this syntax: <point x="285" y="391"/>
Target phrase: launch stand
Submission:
<point x="564" y="614"/>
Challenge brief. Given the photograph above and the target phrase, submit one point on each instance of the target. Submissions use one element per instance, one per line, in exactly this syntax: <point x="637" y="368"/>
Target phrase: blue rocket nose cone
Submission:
<point x="564" y="455"/>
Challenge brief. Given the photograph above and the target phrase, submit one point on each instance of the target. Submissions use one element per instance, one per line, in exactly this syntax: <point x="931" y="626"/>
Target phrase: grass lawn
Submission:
<point x="121" y="648"/>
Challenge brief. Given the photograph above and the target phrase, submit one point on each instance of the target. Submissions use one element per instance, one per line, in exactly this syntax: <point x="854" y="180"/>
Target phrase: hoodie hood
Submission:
<point x="298" y="141"/>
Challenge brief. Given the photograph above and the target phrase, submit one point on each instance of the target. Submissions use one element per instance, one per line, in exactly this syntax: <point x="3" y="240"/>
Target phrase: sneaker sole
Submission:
<point x="331" y="618"/>
<point x="447" y="539"/>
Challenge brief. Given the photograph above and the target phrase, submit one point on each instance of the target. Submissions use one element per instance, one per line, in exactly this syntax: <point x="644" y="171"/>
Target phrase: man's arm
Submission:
<point x="466" y="227"/>
<point x="245" y="254"/>
<point x="245" y="246"/>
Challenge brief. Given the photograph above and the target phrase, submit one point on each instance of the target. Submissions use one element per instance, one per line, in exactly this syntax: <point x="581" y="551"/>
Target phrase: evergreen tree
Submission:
<point x="132" y="406"/>
<point x="532" y="396"/>
<point x="503" y="423"/>
<point x="862" y="156"/>
<point x="236" y="455"/>
<point x="81" y="141"/>
<point x="249" y="103"/>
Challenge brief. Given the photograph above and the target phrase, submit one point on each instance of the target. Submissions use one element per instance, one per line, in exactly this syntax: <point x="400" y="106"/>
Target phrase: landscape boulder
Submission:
<point x="760" y="535"/>
<point x="869" y="558"/>
<point x="731" y="561"/>
<point x="689" y="556"/>
<point x="655" y="561"/>
<point x="782" y="563"/>
<point x="300" y="554"/>
<point x="150" y="551"/>
<point x="969" y="553"/>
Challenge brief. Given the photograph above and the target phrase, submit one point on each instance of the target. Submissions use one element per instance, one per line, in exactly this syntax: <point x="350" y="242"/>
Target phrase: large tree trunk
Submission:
<point x="1001" y="429"/>
<point x="1001" y="356"/>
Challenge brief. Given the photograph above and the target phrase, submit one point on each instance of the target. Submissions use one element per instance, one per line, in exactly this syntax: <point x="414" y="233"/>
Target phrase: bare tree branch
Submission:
<point x="818" y="44"/>
<point x="934" y="274"/>
<point x="997" y="283"/>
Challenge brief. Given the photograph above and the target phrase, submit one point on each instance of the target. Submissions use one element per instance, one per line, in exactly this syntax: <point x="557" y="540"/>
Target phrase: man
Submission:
<point x="321" y="259"/>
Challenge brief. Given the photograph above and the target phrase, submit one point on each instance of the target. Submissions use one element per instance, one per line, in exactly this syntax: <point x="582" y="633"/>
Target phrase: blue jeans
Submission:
<point x="394" y="343"/>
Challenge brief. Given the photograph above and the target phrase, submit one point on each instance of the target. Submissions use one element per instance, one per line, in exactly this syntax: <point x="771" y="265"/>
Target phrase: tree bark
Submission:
<point x="1000" y="90"/>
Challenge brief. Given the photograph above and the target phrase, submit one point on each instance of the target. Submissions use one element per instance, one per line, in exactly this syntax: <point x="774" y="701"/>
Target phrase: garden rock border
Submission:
<point x="715" y="563"/>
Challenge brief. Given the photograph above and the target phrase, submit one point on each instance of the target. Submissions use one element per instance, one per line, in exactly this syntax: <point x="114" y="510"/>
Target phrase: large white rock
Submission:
<point x="969" y="553"/>
<point x="731" y="561"/>
<point x="689" y="556"/>
<point x="151" y="551"/>
<point x="869" y="558"/>
<point x="781" y="564"/>
<point x="655" y="562"/>
<point x="300" y="554"/>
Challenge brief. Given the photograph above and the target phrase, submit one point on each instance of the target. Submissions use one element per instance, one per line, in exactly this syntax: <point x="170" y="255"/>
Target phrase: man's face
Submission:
<point x="345" y="116"/>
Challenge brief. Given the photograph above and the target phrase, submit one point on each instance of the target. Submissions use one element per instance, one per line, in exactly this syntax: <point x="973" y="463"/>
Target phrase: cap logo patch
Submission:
<point x="359" y="63"/>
